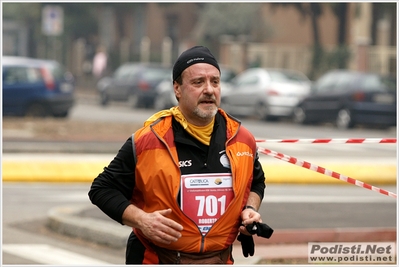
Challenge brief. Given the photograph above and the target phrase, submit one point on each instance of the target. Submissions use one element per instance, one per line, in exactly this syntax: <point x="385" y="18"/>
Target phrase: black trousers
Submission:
<point x="134" y="250"/>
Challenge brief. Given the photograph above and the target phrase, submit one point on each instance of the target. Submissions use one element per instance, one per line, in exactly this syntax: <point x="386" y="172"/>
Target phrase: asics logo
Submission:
<point x="244" y="153"/>
<point x="185" y="163"/>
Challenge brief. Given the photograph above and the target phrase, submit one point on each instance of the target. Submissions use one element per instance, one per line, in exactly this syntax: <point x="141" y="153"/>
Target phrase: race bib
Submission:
<point x="205" y="197"/>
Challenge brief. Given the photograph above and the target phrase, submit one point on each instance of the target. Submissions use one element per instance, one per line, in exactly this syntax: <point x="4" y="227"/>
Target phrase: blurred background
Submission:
<point x="278" y="60"/>
<point x="308" y="37"/>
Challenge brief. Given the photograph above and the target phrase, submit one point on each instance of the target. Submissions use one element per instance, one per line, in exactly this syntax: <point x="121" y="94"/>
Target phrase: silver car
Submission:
<point x="265" y="93"/>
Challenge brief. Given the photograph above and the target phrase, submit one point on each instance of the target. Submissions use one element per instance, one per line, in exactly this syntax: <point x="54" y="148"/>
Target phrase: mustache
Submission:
<point x="207" y="99"/>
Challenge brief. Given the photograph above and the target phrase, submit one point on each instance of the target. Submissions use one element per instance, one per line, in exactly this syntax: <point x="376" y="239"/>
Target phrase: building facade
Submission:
<point x="151" y="31"/>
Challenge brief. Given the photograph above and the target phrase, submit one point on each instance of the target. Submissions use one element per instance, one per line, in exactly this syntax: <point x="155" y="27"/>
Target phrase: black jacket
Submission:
<point x="112" y="189"/>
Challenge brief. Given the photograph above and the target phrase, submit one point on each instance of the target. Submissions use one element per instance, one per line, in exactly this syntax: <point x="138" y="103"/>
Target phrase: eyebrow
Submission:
<point x="203" y="77"/>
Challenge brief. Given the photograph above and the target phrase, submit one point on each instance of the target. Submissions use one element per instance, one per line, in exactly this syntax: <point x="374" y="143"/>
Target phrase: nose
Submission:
<point x="209" y="87"/>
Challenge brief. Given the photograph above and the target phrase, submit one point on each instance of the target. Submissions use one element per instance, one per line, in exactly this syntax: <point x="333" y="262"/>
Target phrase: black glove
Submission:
<point x="260" y="229"/>
<point x="247" y="241"/>
<point x="247" y="244"/>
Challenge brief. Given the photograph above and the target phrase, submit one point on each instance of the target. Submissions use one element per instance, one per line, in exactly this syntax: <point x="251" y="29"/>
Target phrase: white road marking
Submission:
<point x="67" y="197"/>
<point x="46" y="254"/>
<point x="326" y="199"/>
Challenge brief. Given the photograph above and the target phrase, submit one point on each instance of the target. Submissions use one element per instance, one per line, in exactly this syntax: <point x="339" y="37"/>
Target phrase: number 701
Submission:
<point x="209" y="204"/>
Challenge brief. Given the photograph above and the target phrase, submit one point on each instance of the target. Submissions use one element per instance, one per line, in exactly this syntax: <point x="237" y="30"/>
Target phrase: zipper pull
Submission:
<point x="178" y="258"/>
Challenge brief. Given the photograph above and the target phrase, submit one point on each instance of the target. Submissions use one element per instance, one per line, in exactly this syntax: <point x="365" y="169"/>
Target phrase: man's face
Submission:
<point x="199" y="93"/>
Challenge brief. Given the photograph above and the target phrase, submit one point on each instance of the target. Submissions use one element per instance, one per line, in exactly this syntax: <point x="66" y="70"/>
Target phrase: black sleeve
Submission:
<point x="258" y="183"/>
<point x="112" y="189"/>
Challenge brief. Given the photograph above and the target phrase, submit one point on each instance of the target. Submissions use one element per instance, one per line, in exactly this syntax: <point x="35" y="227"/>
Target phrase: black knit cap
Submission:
<point x="194" y="55"/>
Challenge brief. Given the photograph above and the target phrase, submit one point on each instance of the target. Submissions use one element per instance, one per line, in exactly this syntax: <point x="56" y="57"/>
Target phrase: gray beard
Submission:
<point x="209" y="114"/>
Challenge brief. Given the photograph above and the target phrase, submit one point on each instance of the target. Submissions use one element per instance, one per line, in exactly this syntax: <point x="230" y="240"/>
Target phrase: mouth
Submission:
<point x="207" y="102"/>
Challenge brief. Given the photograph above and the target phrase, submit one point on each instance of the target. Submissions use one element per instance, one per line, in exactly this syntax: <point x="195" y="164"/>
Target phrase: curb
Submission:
<point x="295" y="236"/>
<point x="85" y="167"/>
<point x="66" y="220"/>
<point x="370" y="173"/>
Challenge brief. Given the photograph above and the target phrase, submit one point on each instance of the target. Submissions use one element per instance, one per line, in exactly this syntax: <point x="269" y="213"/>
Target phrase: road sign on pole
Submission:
<point x="52" y="20"/>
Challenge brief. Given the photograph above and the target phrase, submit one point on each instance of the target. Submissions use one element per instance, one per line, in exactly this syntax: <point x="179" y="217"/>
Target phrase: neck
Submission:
<point x="195" y="119"/>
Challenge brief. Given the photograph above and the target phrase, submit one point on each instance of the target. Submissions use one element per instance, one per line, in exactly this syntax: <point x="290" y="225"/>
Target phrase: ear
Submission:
<point x="177" y="89"/>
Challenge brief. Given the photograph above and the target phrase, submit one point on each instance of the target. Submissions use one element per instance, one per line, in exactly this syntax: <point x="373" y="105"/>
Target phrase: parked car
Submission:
<point x="133" y="82"/>
<point x="347" y="98"/>
<point x="165" y="97"/>
<point x="36" y="87"/>
<point x="266" y="93"/>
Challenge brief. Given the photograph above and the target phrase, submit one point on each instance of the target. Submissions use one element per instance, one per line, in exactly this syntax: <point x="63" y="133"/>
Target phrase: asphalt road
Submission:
<point x="319" y="206"/>
<point x="111" y="125"/>
<point x="27" y="240"/>
<point x="26" y="205"/>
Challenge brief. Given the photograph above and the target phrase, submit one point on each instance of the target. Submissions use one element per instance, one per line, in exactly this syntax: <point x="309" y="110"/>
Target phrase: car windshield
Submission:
<point x="226" y="75"/>
<point x="125" y="71"/>
<point x="18" y="74"/>
<point x="376" y="82"/>
<point x="285" y="76"/>
<point x="156" y="74"/>
<point x="389" y="83"/>
<point x="57" y="71"/>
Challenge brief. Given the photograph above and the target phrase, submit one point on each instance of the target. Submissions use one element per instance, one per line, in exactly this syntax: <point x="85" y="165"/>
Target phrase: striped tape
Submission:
<point x="324" y="171"/>
<point x="332" y="140"/>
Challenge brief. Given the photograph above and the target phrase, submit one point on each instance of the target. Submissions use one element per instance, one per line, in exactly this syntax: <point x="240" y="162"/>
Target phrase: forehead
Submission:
<point x="201" y="69"/>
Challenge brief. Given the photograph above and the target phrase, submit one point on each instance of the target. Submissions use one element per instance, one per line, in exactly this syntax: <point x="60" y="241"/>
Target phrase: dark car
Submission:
<point x="133" y="82"/>
<point x="36" y="87"/>
<point x="348" y="98"/>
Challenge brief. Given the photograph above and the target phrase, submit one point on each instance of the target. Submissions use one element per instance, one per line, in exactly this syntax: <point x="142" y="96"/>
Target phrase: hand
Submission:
<point x="156" y="226"/>
<point x="248" y="216"/>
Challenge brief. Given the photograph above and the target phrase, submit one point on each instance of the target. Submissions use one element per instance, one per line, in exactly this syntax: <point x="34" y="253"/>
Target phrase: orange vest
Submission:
<point x="158" y="183"/>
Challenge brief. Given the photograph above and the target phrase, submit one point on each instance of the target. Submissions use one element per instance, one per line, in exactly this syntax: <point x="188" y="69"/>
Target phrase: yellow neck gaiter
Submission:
<point x="202" y="133"/>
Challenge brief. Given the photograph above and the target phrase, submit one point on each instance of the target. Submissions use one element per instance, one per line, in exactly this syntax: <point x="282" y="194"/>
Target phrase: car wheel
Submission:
<point x="149" y="103"/>
<point x="36" y="110"/>
<point x="133" y="101"/>
<point x="159" y="103"/>
<point x="383" y="127"/>
<point x="344" y="119"/>
<point x="104" y="99"/>
<point x="224" y="105"/>
<point x="299" y="115"/>
<point x="261" y="111"/>
<point x="62" y="114"/>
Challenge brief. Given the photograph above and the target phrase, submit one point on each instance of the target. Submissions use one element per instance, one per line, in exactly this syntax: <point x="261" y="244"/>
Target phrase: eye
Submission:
<point x="216" y="81"/>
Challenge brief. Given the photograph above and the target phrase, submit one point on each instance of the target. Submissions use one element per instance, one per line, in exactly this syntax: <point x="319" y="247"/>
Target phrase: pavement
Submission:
<point x="285" y="246"/>
<point x="19" y="164"/>
<point x="89" y="223"/>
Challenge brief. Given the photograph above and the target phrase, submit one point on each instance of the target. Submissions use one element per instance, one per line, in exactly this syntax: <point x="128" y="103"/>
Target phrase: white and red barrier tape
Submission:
<point x="331" y="140"/>
<point x="325" y="171"/>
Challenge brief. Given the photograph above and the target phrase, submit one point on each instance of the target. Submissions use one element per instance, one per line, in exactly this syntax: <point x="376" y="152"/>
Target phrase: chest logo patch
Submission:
<point x="224" y="160"/>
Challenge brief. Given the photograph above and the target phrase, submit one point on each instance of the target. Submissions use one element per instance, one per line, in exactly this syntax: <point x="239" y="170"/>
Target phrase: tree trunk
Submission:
<point x="315" y="11"/>
<point x="341" y="10"/>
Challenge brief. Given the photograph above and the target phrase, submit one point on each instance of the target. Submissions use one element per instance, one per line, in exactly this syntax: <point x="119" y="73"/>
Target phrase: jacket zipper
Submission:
<point x="230" y="156"/>
<point x="170" y="153"/>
